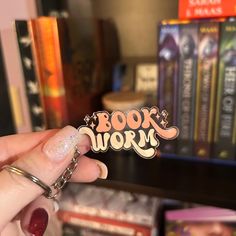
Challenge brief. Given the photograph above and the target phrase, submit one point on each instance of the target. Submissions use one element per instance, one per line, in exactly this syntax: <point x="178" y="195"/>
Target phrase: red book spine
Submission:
<point x="104" y="224"/>
<point x="190" y="9"/>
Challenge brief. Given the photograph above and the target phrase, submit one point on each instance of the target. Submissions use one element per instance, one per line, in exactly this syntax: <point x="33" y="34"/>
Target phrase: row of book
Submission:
<point x="65" y="66"/>
<point x="197" y="86"/>
<point x="91" y="210"/>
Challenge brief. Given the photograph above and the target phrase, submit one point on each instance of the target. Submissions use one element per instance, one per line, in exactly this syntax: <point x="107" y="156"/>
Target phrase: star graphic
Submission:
<point x="87" y="119"/>
<point x="94" y="117"/>
<point x="164" y="113"/>
<point x="163" y="123"/>
<point x="92" y="125"/>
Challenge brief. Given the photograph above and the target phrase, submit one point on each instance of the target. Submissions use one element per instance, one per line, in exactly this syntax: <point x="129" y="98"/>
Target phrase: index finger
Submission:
<point x="16" y="144"/>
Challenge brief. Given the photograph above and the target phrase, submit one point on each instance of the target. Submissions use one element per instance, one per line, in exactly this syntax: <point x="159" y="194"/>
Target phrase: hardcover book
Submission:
<point x="46" y="37"/>
<point x="190" y="9"/>
<point x="103" y="225"/>
<point x="200" y="221"/>
<point x="18" y="98"/>
<point x="206" y="88"/>
<point x="75" y="230"/>
<point x="86" y="64"/>
<point x="168" y="60"/>
<point x="29" y="64"/>
<point x="225" y="125"/>
<point x="188" y="47"/>
<point x="7" y="125"/>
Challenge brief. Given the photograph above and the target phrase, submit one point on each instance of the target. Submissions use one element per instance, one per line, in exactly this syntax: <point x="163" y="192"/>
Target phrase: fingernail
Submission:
<point x="103" y="169"/>
<point x="61" y="144"/>
<point x="38" y="222"/>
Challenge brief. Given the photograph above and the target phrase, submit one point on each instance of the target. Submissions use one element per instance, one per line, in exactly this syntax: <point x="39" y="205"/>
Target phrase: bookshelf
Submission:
<point x="200" y="181"/>
<point x="208" y="182"/>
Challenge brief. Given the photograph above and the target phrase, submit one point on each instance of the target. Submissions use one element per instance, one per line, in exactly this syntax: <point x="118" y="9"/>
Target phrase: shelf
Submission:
<point x="190" y="180"/>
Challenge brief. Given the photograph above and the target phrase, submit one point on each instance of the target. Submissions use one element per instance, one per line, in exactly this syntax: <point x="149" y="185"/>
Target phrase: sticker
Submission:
<point x="136" y="129"/>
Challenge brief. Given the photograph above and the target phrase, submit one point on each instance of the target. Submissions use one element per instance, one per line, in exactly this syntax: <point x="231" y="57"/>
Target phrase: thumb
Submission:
<point x="46" y="161"/>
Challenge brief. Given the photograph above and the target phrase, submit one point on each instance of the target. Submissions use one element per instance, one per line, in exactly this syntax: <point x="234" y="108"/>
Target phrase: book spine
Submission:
<point x="225" y="125"/>
<point x="74" y="230"/>
<point x="45" y="33"/>
<point x="206" y="88"/>
<point x="7" y="125"/>
<point x="189" y="9"/>
<point x="106" y="225"/>
<point x="16" y="85"/>
<point x="187" y="86"/>
<point x="147" y="220"/>
<point x="30" y="77"/>
<point x="168" y="58"/>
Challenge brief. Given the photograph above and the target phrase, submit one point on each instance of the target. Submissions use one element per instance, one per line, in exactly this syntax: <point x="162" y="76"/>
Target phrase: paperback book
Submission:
<point x="206" y="88"/>
<point x="225" y="125"/>
<point x="188" y="47"/>
<point x="168" y="61"/>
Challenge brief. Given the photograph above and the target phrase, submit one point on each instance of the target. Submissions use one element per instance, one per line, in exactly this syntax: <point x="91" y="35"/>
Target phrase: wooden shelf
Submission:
<point x="208" y="182"/>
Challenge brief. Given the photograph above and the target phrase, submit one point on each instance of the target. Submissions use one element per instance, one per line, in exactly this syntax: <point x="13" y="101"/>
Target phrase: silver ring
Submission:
<point x="49" y="192"/>
<point x="18" y="171"/>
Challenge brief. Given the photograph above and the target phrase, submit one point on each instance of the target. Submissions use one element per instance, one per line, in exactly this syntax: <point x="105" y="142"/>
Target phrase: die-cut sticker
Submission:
<point x="137" y="129"/>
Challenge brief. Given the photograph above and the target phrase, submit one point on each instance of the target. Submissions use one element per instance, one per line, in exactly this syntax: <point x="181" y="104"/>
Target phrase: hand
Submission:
<point x="45" y="155"/>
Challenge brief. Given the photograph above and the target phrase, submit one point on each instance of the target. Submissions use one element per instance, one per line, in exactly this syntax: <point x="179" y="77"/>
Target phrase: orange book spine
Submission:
<point x="46" y="37"/>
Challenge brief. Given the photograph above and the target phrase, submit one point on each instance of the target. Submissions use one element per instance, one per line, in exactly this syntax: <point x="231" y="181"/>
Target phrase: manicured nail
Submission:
<point x="103" y="169"/>
<point x="61" y="144"/>
<point x="38" y="222"/>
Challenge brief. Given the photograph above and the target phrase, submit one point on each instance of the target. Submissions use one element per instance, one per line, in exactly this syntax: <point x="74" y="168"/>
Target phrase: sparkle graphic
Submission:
<point x="163" y="123"/>
<point x="164" y="113"/>
<point x="94" y="117"/>
<point x="87" y="119"/>
<point x="92" y="125"/>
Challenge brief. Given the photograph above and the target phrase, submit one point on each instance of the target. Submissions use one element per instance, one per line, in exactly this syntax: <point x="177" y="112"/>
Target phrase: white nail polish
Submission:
<point x="61" y="144"/>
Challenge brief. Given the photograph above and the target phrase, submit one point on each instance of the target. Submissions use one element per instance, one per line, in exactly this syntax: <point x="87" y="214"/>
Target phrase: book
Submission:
<point x="29" y="64"/>
<point x="75" y="230"/>
<point x="200" y="221"/>
<point x="119" y="71"/>
<point x="206" y="88"/>
<point x="110" y="51"/>
<point x="47" y="42"/>
<point x="168" y="61"/>
<point x="188" y="46"/>
<point x="225" y="124"/>
<point x="18" y="98"/>
<point x="7" y="125"/>
<point x="104" y="225"/>
<point x="90" y="62"/>
<point x="110" y="204"/>
<point x="190" y="9"/>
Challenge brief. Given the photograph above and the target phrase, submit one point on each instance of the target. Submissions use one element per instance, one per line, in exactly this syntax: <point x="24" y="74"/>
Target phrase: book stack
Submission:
<point x="197" y="86"/>
<point x="102" y="211"/>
